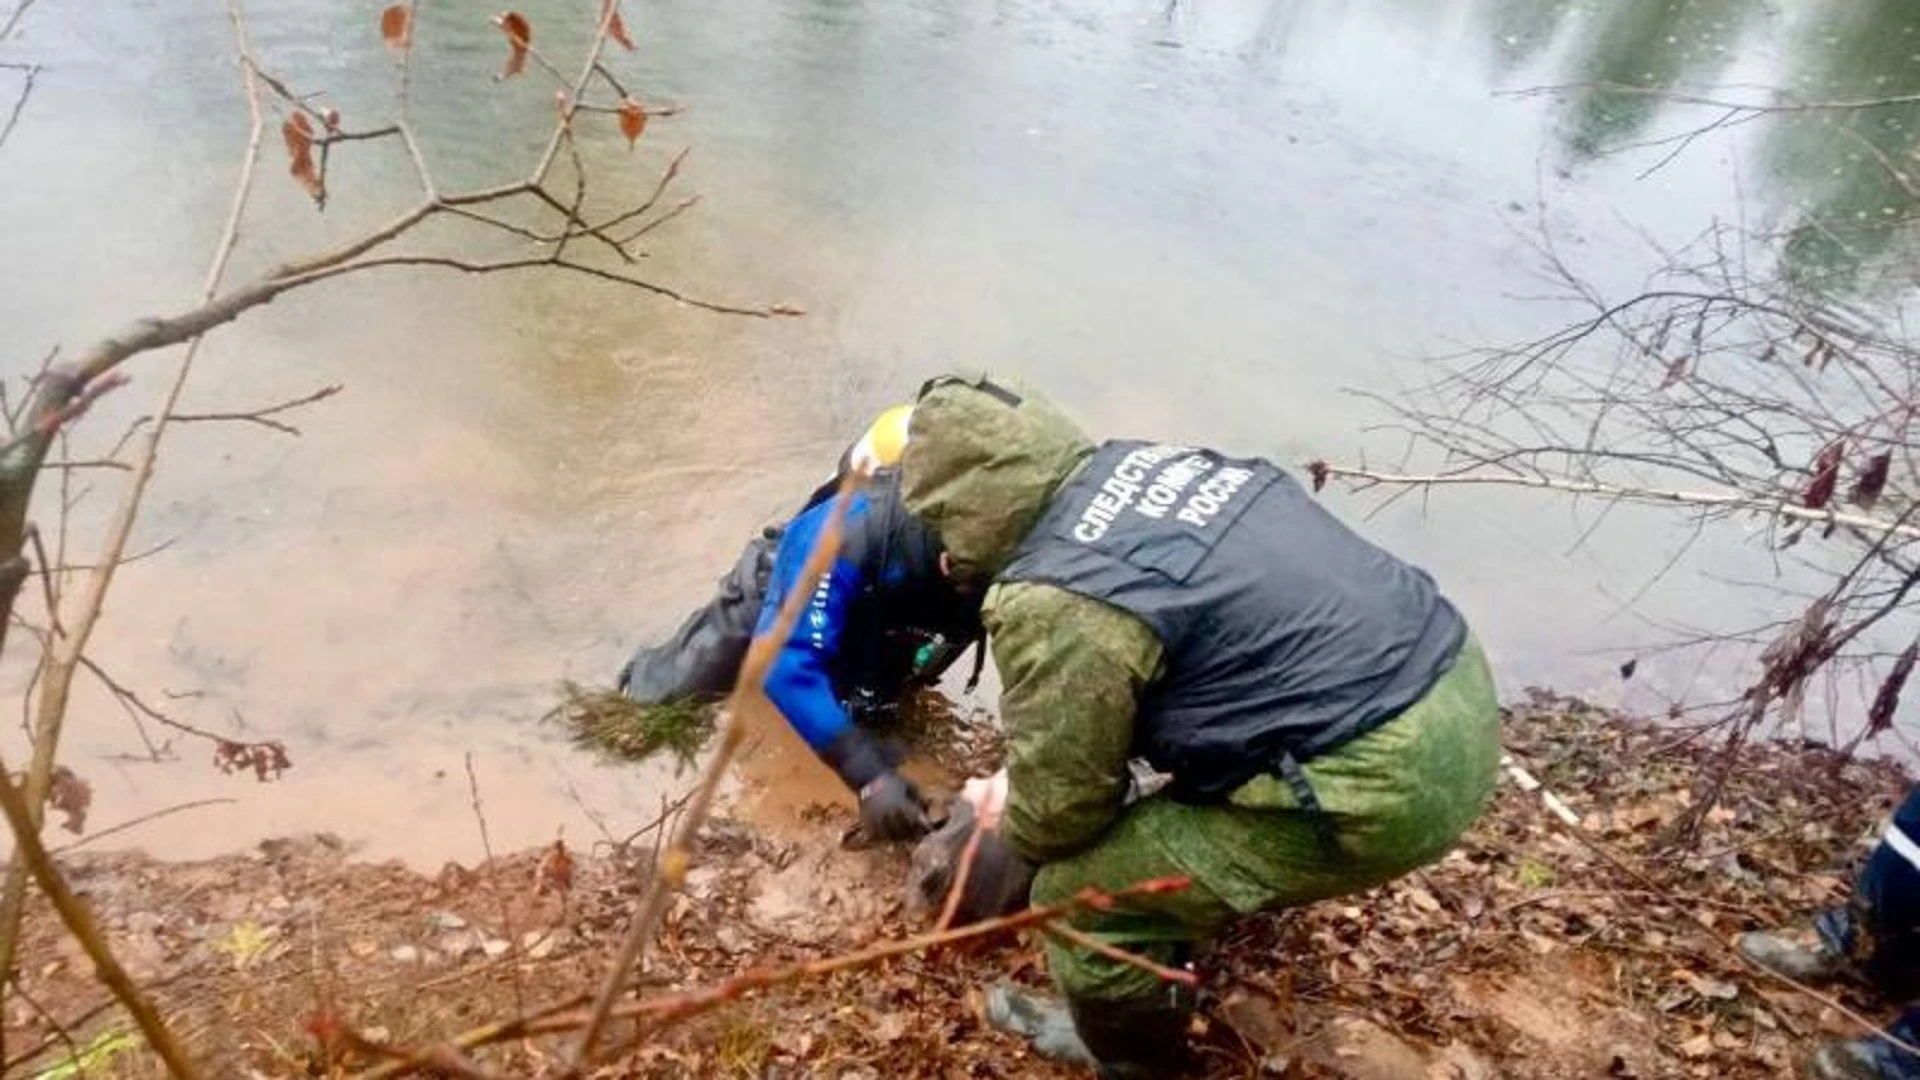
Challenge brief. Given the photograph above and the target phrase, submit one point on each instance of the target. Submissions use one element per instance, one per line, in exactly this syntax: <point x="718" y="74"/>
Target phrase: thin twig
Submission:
<point x="47" y="586"/>
<point x="64" y="659"/>
<point x="500" y="266"/>
<point x="672" y="1008"/>
<point x="59" y="1034"/>
<point x="670" y="870"/>
<point x="493" y="875"/>
<point x="29" y="73"/>
<point x="262" y="416"/>
<point x="30" y="853"/>
<point x="1114" y="952"/>
<point x="1717" y="500"/>
<point x="968" y="855"/>
<point x="134" y="823"/>
<point x="137" y="706"/>
<point x="8" y="1066"/>
<point x="13" y="18"/>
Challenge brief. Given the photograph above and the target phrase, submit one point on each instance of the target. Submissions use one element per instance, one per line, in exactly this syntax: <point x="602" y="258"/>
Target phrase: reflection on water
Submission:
<point x="1838" y="183"/>
<point x="1851" y="174"/>
<point x="1646" y="43"/>
<point x="1204" y="225"/>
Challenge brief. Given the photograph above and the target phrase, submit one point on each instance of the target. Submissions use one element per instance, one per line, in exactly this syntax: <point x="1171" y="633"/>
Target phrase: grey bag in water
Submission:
<point x="702" y="659"/>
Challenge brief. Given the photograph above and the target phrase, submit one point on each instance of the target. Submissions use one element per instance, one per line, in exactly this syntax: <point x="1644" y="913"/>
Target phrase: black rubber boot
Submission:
<point x="1139" y="1039"/>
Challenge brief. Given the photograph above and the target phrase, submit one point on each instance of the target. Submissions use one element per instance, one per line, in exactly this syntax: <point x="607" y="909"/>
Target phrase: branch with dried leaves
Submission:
<point x="1722" y="392"/>
<point x="1715" y="501"/>
<point x="61" y="393"/>
<point x="667" y="1009"/>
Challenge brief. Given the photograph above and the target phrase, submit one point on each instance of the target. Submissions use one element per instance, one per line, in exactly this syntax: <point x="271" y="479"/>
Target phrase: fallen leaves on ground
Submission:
<point x="1531" y="952"/>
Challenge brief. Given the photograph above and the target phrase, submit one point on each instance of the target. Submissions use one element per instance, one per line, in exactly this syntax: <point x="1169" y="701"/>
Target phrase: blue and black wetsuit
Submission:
<point x="881" y="620"/>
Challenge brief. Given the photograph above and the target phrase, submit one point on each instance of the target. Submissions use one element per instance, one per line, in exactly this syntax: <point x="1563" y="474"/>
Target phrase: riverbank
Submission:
<point x="1538" y="949"/>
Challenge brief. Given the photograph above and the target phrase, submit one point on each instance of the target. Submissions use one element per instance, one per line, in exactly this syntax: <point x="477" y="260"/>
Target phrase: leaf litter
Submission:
<point x="1534" y="950"/>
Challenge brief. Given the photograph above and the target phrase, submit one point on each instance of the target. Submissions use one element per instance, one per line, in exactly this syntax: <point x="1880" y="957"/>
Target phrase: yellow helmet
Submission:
<point x="884" y="442"/>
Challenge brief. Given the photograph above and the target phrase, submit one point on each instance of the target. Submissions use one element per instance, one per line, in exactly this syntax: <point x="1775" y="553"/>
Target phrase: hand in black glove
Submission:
<point x="891" y="809"/>
<point x="997" y="883"/>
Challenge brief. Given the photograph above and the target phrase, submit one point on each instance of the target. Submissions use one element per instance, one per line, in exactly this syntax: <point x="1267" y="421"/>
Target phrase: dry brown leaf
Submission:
<point x="1676" y="370"/>
<point x="1712" y="989"/>
<point x="71" y="796"/>
<point x="298" y="133"/>
<point x="633" y="121"/>
<point x="396" y="26"/>
<point x="616" y="26"/>
<point x="1826" y="474"/>
<point x="555" y="872"/>
<point x="519" y="37"/>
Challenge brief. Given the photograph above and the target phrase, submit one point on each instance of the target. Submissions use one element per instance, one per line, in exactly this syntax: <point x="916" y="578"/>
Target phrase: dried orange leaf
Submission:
<point x="616" y="26"/>
<point x="555" y="871"/>
<point x="519" y="36"/>
<point x="633" y="121"/>
<point x="396" y="25"/>
<point x="298" y="133"/>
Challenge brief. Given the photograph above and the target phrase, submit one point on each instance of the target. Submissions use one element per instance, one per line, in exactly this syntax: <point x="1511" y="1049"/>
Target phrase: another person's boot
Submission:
<point x="1802" y="954"/>
<point x="1122" y="1040"/>
<point x="1874" y="1057"/>
<point x="1041" y="1019"/>
<point x="1863" y="1059"/>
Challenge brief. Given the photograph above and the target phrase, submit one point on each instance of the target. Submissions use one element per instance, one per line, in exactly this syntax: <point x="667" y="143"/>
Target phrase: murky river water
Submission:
<point x="1209" y="223"/>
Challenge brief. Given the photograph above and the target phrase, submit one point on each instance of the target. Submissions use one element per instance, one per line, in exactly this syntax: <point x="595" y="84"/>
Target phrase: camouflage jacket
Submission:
<point x="981" y="464"/>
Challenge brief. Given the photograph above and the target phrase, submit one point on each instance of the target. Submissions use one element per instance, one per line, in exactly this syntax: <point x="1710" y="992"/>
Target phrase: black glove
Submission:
<point x="891" y="809"/>
<point x="890" y="806"/>
<point x="996" y="885"/>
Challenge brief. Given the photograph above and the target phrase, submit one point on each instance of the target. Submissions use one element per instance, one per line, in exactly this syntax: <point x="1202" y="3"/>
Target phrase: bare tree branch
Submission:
<point x="31" y="853"/>
<point x="13" y="18"/>
<point x="262" y="416"/>
<point x="670" y="870"/>
<point x="67" y="651"/>
<point x="28" y="73"/>
<point x="1714" y="500"/>
<point x="673" y="1008"/>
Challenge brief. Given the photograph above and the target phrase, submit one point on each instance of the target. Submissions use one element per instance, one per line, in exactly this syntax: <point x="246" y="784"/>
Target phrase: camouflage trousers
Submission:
<point x="1395" y="799"/>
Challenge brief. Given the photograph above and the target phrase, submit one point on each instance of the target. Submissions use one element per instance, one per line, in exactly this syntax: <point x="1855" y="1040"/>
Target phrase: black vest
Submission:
<point x="1285" y="633"/>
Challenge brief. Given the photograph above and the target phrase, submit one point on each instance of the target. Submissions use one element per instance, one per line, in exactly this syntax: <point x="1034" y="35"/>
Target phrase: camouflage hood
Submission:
<point x="983" y="458"/>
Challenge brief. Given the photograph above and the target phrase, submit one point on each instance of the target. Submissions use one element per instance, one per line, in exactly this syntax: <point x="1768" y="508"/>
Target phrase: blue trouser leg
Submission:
<point x="1880" y="929"/>
<point x="1892" y="1062"/>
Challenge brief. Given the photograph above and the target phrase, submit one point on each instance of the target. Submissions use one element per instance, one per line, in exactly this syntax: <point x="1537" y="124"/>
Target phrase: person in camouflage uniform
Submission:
<point x="1327" y="720"/>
